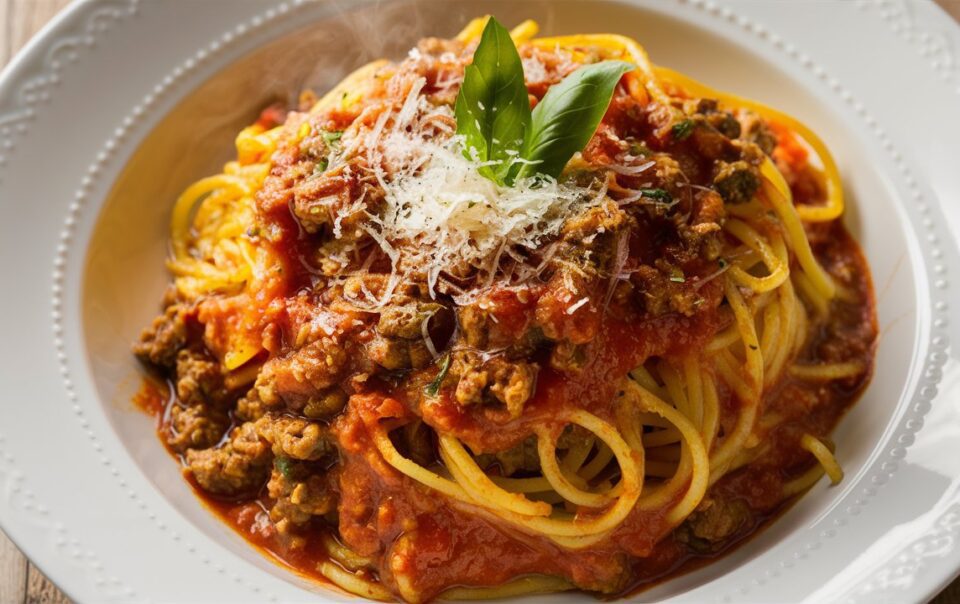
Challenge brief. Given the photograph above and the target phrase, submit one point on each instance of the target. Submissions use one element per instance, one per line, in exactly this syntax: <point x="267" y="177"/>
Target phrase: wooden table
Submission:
<point x="20" y="581"/>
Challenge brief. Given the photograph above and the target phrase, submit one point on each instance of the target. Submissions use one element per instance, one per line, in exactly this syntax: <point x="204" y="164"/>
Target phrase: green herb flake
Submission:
<point x="678" y="279"/>
<point x="722" y="262"/>
<point x="682" y="130"/>
<point x="331" y="137"/>
<point x="657" y="195"/>
<point x="285" y="465"/>
<point x="320" y="167"/>
<point x="433" y="388"/>
<point x="638" y="149"/>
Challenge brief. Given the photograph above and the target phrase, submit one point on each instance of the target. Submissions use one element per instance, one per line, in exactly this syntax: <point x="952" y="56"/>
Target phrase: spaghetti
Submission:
<point x="382" y="359"/>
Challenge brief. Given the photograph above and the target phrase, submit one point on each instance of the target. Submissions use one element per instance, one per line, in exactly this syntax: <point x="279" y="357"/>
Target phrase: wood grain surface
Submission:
<point x="20" y="581"/>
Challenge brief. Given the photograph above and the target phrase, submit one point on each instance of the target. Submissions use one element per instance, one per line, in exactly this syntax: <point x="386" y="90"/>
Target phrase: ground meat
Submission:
<point x="168" y="333"/>
<point x="707" y="112"/>
<point x="298" y="495"/>
<point x="400" y="343"/>
<point x="327" y="404"/>
<point x="502" y="320"/>
<point x="474" y="325"/>
<point x="658" y="295"/>
<point x="713" y="523"/>
<point x="406" y="320"/>
<point x="709" y="142"/>
<point x="725" y="123"/>
<point x="196" y="427"/>
<point x="755" y="130"/>
<point x="737" y="182"/>
<point x="199" y="379"/>
<point x="599" y="228"/>
<point x="294" y="380"/>
<point x="394" y="354"/>
<point x="567" y="311"/>
<point x="239" y="466"/>
<point x="567" y="356"/>
<point x="669" y="174"/>
<point x="708" y="212"/>
<point x="508" y="382"/>
<point x="319" y="198"/>
<point x="294" y="437"/>
<point x="250" y="408"/>
<point x="512" y="383"/>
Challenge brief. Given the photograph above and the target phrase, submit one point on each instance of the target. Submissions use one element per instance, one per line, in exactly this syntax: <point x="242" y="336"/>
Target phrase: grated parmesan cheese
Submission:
<point x="441" y="216"/>
<point x="573" y="307"/>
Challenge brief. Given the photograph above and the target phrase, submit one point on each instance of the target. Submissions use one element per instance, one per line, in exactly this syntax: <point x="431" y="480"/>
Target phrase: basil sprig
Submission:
<point x="492" y="108"/>
<point x="493" y="111"/>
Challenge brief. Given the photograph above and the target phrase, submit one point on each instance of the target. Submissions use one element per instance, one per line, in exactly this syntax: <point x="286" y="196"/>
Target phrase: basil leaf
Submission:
<point x="492" y="108"/>
<point x="563" y="122"/>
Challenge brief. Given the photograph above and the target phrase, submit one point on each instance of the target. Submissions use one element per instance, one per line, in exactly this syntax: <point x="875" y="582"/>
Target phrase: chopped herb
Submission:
<point x="682" y="130"/>
<point x="433" y="388"/>
<point x="657" y="195"/>
<point x="331" y="137"/>
<point x="285" y="465"/>
<point x="321" y="166"/>
<point x="678" y="279"/>
<point x="638" y="149"/>
<point x="722" y="262"/>
<point x="677" y="276"/>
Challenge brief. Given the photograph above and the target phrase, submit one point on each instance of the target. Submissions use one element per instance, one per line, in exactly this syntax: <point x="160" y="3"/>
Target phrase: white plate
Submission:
<point x="118" y="104"/>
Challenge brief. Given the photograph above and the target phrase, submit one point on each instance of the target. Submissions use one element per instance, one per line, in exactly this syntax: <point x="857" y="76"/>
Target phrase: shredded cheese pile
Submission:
<point x="442" y="217"/>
